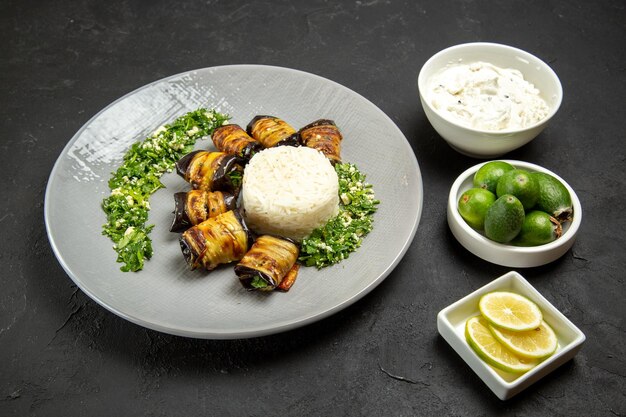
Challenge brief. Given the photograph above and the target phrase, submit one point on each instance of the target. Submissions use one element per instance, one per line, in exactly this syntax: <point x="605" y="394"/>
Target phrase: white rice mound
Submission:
<point x="289" y="191"/>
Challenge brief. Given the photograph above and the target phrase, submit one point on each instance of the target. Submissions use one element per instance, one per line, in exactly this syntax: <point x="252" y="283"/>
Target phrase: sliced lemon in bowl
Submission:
<point x="537" y="343"/>
<point x="489" y="349"/>
<point x="510" y="311"/>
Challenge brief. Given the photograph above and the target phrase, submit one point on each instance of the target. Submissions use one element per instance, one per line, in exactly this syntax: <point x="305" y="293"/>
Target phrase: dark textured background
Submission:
<point x="62" y="354"/>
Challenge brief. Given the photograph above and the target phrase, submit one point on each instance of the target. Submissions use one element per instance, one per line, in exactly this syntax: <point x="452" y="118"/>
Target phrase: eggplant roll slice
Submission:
<point x="218" y="240"/>
<point x="211" y="171"/>
<point x="195" y="206"/>
<point x="324" y="136"/>
<point x="234" y="140"/>
<point x="271" y="131"/>
<point x="267" y="263"/>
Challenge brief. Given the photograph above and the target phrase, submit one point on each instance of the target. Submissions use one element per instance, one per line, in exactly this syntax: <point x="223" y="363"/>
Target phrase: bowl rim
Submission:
<point x="421" y="82"/>
<point x="480" y="239"/>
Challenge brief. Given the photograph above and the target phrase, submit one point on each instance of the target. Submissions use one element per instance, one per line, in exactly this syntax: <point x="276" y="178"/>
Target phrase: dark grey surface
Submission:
<point x="62" y="354"/>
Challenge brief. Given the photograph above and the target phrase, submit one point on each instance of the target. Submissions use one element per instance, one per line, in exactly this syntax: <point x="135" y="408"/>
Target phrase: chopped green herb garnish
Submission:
<point x="236" y="178"/>
<point x="258" y="282"/>
<point x="344" y="233"/>
<point x="139" y="176"/>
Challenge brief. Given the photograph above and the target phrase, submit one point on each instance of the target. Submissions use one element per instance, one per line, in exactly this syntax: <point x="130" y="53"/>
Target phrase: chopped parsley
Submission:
<point x="139" y="176"/>
<point x="236" y="178"/>
<point x="344" y="233"/>
<point x="258" y="283"/>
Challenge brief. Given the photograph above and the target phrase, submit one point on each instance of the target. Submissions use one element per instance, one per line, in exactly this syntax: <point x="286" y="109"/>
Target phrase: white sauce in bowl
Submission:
<point x="486" y="97"/>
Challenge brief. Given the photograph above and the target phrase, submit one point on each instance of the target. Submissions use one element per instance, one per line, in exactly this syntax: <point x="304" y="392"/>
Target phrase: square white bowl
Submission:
<point x="451" y="325"/>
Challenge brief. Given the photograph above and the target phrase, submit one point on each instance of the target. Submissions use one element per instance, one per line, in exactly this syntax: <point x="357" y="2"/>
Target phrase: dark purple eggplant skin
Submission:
<point x="185" y="249"/>
<point x="221" y="182"/>
<point x="181" y="220"/>
<point x="248" y="152"/>
<point x="293" y="140"/>
<point x="247" y="274"/>
<point x="320" y="122"/>
<point x="190" y="258"/>
<point x="230" y="201"/>
<point x="249" y="233"/>
<point x="183" y="163"/>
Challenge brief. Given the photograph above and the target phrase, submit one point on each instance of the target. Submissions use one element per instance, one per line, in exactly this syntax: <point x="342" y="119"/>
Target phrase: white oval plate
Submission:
<point x="165" y="295"/>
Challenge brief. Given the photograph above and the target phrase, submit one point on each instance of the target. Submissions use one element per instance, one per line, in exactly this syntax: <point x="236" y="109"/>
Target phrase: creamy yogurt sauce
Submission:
<point x="486" y="97"/>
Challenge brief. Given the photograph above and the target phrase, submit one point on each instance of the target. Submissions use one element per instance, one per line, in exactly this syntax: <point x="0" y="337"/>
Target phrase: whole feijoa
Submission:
<point x="553" y="198"/>
<point x="521" y="184"/>
<point x="488" y="175"/>
<point x="504" y="219"/>
<point x="538" y="228"/>
<point x="473" y="206"/>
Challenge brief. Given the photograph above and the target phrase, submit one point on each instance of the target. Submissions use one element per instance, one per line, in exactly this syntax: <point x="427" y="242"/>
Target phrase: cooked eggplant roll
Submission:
<point x="218" y="240"/>
<point x="267" y="263"/>
<point x="271" y="131"/>
<point x="324" y="136"/>
<point x="211" y="171"/>
<point x="195" y="206"/>
<point x="234" y="140"/>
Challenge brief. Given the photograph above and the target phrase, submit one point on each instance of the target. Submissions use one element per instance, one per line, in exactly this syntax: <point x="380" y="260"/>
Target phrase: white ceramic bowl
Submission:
<point x="451" y="326"/>
<point x="482" y="143"/>
<point x="502" y="254"/>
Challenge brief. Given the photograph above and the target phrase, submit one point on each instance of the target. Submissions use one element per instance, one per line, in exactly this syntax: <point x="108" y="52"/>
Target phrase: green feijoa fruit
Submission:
<point x="504" y="219"/>
<point x="538" y="228"/>
<point x="473" y="206"/>
<point x="554" y="198"/>
<point x="521" y="184"/>
<point x="488" y="175"/>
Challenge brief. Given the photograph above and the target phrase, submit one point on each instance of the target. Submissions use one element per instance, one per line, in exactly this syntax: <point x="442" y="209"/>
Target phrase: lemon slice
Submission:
<point x="537" y="343"/>
<point x="510" y="311"/>
<point x="493" y="352"/>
